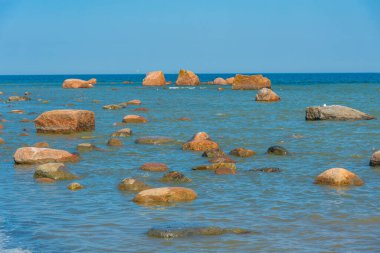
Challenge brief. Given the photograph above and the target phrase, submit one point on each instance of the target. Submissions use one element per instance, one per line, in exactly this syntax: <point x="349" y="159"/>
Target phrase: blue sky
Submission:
<point x="206" y="36"/>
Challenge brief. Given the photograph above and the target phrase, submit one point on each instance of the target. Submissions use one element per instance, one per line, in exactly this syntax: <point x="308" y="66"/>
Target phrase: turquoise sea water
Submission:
<point x="288" y="212"/>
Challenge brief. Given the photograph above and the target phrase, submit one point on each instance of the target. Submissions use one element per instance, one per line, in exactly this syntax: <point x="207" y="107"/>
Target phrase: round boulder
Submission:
<point x="114" y="142"/>
<point x="75" y="186"/>
<point x="242" y="152"/>
<point x="220" y="81"/>
<point x="338" y="177"/>
<point x="267" y="95"/>
<point x="200" y="142"/>
<point x="375" y="159"/>
<point x="277" y="150"/>
<point x="175" y="177"/>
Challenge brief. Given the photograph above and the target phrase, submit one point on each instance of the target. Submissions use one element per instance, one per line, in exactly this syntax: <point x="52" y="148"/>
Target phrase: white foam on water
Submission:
<point x="3" y="241"/>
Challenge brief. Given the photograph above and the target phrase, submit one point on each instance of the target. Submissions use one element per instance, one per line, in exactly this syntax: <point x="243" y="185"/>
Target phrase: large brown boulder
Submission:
<point x="200" y="142"/>
<point x="155" y="78"/>
<point x="78" y="83"/>
<point x="267" y="95"/>
<point x="335" y="112"/>
<point x="65" y="121"/>
<point x="220" y="81"/>
<point x="164" y="195"/>
<point x="338" y="177"/>
<point x="375" y="159"/>
<point x="187" y="77"/>
<point x="230" y="80"/>
<point x="254" y="82"/>
<point x="32" y="155"/>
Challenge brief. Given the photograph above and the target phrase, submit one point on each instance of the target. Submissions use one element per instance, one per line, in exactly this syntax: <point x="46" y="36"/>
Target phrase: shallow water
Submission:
<point x="288" y="212"/>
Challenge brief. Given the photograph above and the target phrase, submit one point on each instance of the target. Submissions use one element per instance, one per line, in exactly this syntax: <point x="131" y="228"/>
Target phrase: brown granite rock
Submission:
<point x="134" y="119"/>
<point x="154" y="78"/>
<point x="267" y="95"/>
<point x="65" y="121"/>
<point x="133" y="185"/>
<point x="225" y="171"/>
<point x="230" y="80"/>
<point x="164" y="195"/>
<point x="338" y="177"/>
<point x="125" y="132"/>
<point x="41" y="145"/>
<point x="78" y="83"/>
<point x="33" y="155"/>
<point x="335" y="112"/>
<point x="187" y="78"/>
<point x="254" y="82"/>
<point x="200" y="142"/>
<point x="114" y="142"/>
<point x="175" y="177"/>
<point x="242" y="152"/>
<point x="220" y="81"/>
<point x="154" y="167"/>
<point x="75" y="186"/>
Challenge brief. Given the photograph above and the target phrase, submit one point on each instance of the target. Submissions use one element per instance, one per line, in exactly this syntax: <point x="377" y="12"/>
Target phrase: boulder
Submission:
<point x="215" y="166"/>
<point x="200" y="142"/>
<point x="213" y="153"/>
<point x="267" y="95"/>
<point x="45" y="180"/>
<point x="75" y="186"/>
<point x="65" y="121"/>
<point x="41" y="145"/>
<point x="375" y="159"/>
<point x="54" y="171"/>
<point x="83" y="147"/>
<point x="178" y="232"/>
<point x="154" y="140"/>
<point x="155" y="78"/>
<point x="18" y="98"/>
<point x="78" y="83"/>
<point x="335" y="112"/>
<point x="338" y="177"/>
<point x="230" y="80"/>
<point x="164" y="195"/>
<point x="225" y="171"/>
<point x="125" y="132"/>
<point x="187" y="77"/>
<point x="154" y="167"/>
<point x="133" y="185"/>
<point x="134" y="119"/>
<point x="32" y="155"/>
<point x="242" y="152"/>
<point x="220" y="81"/>
<point x="253" y="82"/>
<point x="175" y="177"/>
<point x="277" y="150"/>
<point x="114" y="142"/>
<point x="222" y="159"/>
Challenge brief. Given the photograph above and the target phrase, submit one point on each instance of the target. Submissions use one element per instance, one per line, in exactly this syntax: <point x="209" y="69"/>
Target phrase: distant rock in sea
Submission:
<point x="154" y="78"/>
<point x="220" y="81"/>
<point x="78" y="83"/>
<point x="187" y="78"/>
<point x="253" y="82"/>
<point x="267" y="95"/>
<point x="335" y="112"/>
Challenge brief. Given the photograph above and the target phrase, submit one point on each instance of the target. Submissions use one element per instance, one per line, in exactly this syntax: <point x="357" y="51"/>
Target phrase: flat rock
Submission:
<point x="83" y="147"/>
<point x="113" y="107"/>
<point x="134" y="119"/>
<point x="338" y="177"/>
<point x="268" y="170"/>
<point x="33" y="155"/>
<point x="18" y="98"/>
<point x="65" y="121"/>
<point x="78" y="83"/>
<point x="154" y="167"/>
<point x="335" y="112"/>
<point x="164" y="195"/>
<point x="215" y="166"/>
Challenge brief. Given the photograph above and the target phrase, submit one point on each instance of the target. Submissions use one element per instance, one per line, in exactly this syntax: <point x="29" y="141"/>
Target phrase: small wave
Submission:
<point x="3" y="240"/>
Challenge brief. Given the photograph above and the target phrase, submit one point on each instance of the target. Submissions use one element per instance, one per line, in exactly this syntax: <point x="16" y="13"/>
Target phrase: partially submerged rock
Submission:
<point x="154" y="167"/>
<point x="375" y="159"/>
<point x="78" y="83"/>
<point x="113" y="107"/>
<point x="220" y="81"/>
<point x="114" y="142"/>
<point x="335" y="112"/>
<point x="133" y="185"/>
<point x="277" y="150"/>
<point x="154" y="140"/>
<point x="253" y="82"/>
<point x="65" y="121"/>
<point x="134" y="119"/>
<point x="18" y="98"/>
<point x="164" y="195"/>
<point x="338" y="177"/>
<point x="75" y="186"/>
<point x="154" y="78"/>
<point x="242" y="152"/>
<point x="33" y="155"/>
<point x="200" y="142"/>
<point x="125" y="132"/>
<point x="225" y="171"/>
<point x="175" y="177"/>
<point x="83" y="147"/>
<point x="215" y="166"/>
<point x="134" y="102"/>
<point x="267" y="95"/>
<point x="54" y="171"/>
<point x="230" y="80"/>
<point x="187" y="77"/>
<point x="268" y="170"/>
<point x="177" y="232"/>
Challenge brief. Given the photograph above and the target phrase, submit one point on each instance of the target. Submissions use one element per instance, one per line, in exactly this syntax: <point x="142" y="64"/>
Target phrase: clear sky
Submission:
<point x="206" y="36"/>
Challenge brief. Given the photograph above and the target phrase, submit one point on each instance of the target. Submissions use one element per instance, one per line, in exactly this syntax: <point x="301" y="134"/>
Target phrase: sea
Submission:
<point x="286" y="211"/>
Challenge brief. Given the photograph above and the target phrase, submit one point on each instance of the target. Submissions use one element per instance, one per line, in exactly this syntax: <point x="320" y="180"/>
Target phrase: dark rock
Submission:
<point x="267" y="170"/>
<point x="176" y="177"/>
<point x="277" y="150"/>
<point x="242" y="152"/>
<point x="375" y="159"/>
